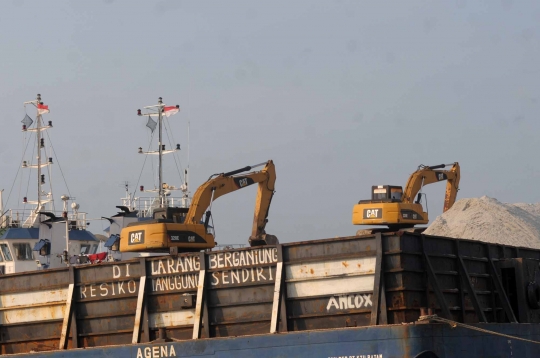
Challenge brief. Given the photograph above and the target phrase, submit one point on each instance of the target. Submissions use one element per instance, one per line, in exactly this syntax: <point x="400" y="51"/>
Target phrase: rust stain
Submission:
<point x="345" y="263"/>
<point x="359" y="265"/>
<point x="312" y="272"/>
<point x="368" y="248"/>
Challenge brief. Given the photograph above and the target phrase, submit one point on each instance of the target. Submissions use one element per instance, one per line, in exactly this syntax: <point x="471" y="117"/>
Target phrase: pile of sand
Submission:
<point x="486" y="219"/>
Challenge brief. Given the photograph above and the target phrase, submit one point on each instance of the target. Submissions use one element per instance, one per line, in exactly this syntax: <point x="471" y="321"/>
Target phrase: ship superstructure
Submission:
<point x="38" y="235"/>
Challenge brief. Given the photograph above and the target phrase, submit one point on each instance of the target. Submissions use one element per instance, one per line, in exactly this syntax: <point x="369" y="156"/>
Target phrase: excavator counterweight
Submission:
<point x="397" y="208"/>
<point x="188" y="230"/>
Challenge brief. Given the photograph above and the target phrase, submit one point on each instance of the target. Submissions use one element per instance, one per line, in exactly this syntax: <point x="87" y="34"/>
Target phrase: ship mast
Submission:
<point x="40" y="109"/>
<point x="38" y="134"/>
<point x="160" y="175"/>
<point x="161" y="109"/>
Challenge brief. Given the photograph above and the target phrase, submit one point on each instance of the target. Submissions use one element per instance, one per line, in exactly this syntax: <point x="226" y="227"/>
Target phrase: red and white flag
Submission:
<point x="170" y="110"/>
<point x="42" y="108"/>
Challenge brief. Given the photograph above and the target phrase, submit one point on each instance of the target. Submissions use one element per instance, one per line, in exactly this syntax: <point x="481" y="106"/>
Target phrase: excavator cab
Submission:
<point x="177" y="215"/>
<point x="386" y="193"/>
<point x="386" y="207"/>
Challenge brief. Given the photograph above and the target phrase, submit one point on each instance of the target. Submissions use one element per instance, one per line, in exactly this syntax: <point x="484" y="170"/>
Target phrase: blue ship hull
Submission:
<point x="414" y="340"/>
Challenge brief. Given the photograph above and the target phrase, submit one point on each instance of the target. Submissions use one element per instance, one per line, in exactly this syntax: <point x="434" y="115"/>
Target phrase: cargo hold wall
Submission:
<point x="321" y="284"/>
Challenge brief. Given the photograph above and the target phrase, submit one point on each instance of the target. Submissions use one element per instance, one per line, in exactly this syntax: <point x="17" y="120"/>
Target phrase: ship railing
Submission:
<point x="146" y="205"/>
<point x="27" y="218"/>
<point x="230" y="246"/>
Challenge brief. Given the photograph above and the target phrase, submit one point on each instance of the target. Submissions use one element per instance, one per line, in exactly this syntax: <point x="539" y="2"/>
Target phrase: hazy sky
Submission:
<point x="341" y="95"/>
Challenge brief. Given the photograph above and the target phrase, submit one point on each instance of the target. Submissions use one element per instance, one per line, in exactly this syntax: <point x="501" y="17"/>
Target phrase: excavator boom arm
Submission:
<point x="265" y="192"/>
<point x="429" y="175"/>
<point x="227" y="183"/>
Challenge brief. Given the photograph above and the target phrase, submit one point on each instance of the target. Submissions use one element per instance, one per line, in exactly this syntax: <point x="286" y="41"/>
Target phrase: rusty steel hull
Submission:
<point x="337" y="284"/>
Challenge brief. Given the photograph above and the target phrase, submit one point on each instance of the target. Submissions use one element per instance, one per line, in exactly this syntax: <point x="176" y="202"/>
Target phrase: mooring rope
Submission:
<point x="455" y="324"/>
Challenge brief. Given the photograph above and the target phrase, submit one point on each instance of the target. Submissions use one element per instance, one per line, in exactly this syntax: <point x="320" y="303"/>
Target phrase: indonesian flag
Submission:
<point x="42" y="109"/>
<point x="170" y="110"/>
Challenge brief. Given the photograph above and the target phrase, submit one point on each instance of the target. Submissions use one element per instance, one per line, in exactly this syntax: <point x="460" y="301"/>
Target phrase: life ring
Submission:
<point x="533" y="295"/>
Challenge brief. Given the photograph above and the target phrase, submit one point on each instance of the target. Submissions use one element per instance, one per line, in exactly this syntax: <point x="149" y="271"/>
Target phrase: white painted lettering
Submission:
<point x="343" y="302"/>
<point x="249" y="257"/>
<point x="103" y="287"/>
<point x="228" y="262"/>
<point x="242" y="258"/>
<point x="180" y="265"/>
<point x="170" y="267"/>
<point x="192" y="281"/>
<point x="161" y="267"/>
<point x="83" y="292"/>
<point x="132" y="284"/>
<point x="235" y="274"/>
<point x="225" y="277"/>
<point x="116" y="271"/>
<point x="349" y="301"/>
<point x="368" y="300"/>
<point x="214" y="277"/>
<point x="332" y="303"/>
<point x="260" y="274"/>
<point x="92" y="291"/>
<point x="220" y="260"/>
<point x="262" y="256"/>
<point x="358" y="300"/>
<point x="269" y="255"/>
<point x="189" y="263"/>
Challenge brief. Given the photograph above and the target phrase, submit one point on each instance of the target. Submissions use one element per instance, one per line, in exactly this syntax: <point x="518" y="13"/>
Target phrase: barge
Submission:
<point x="393" y="294"/>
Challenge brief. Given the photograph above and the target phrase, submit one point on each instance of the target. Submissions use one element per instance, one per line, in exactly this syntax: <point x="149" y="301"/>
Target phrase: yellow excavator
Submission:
<point x="393" y="207"/>
<point x="184" y="230"/>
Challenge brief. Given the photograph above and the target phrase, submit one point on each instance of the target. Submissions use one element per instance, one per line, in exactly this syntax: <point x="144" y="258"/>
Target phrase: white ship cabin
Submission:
<point x="21" y="247"/>
<point x="53" y="230"/>
<point x="16" y="253"/>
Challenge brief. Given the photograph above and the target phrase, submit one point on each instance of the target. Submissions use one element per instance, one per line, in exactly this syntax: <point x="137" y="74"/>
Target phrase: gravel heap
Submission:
<point x="487" y="219"/>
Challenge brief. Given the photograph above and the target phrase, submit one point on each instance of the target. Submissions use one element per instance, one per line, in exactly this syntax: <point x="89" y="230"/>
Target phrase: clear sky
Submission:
<point x="341" y="95"/>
